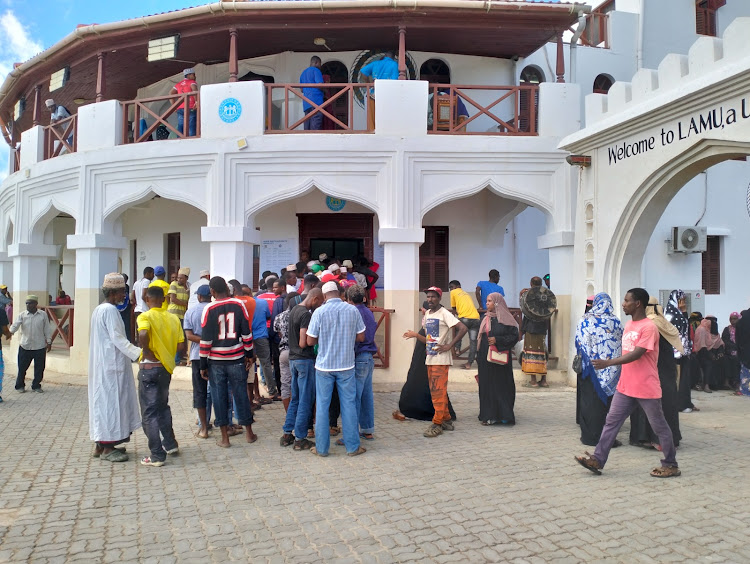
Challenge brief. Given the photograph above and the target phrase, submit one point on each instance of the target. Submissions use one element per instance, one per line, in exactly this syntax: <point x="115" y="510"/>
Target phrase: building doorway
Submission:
<point x="173" y="253"/>
<point x="342" y="235"/>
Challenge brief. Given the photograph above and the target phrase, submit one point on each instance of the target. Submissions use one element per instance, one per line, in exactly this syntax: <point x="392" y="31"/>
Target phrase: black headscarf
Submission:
<point x="742" y="337"/>
<point x="675" y="316"/>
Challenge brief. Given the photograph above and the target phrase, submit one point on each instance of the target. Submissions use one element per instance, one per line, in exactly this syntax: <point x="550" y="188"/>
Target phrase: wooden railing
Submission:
<point x="337" y="110"/>
<point x="157" y="123"/>
<point x="482" y="110"/>
<point x="61" y="137"/>
<point x="462" y="354"/>
<point x="63" y="325"/>
<point x="383" y="356"/>
<point x="596" y="33"/>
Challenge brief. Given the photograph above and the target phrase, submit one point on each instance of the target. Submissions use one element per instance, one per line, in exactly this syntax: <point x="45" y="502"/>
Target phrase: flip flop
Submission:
<point x="398" y="416"/>
<point x="666" y="472"/>
<point x="366" y="438"/>
<point x="529" y="385"/>
<point x="340" y="442"/>
<point x="316" y="453"/>
<point x="545" y="385"/>
<point x="360" y="450"/>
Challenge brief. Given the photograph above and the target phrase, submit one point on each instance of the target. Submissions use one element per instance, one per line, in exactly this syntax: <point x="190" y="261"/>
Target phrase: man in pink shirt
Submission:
<point x="638" y="385"/>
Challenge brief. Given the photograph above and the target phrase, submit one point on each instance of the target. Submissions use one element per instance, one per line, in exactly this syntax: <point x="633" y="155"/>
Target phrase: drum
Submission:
<point x="538" y="303"/>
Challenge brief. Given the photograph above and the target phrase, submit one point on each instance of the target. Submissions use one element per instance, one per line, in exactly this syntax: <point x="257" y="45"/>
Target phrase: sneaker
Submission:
<point x="447" y="426"/>
<point x="148" y="462"/>
<point x="38" y="390"/>
<point x="21" y="390"/>
<point x="175" y="450"/>
<point x="433" y="431"/>
<point x="687" y="410"/>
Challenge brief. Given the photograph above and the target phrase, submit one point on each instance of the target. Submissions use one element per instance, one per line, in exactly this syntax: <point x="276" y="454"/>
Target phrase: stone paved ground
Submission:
<point x="475" y="495"/>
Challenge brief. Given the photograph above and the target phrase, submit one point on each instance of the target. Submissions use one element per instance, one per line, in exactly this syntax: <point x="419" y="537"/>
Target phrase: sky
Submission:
<point x="28" y="27"/>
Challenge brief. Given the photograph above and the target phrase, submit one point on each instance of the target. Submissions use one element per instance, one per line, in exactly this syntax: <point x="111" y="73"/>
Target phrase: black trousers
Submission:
<point x="39" y="356"/>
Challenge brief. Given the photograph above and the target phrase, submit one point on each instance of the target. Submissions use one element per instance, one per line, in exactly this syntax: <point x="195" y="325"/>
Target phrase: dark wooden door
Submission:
<point x="173" y="254"/>
<point x="333" y="226"/>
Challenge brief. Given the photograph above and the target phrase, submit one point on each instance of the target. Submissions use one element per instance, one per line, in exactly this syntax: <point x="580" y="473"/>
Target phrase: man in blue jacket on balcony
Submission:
<point x="385" y="68"/>
<point x="312" y="75"/>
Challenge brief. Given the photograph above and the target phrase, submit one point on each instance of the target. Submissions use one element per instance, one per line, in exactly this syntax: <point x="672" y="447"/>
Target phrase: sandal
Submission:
<point x="302" y="444"/>
<point x="360" y="450"/>
<point x="335" y="431"/>
<point x="543" y="385"/>
<point x="264" y="401"/>
<point x="232" y="431"/>
<point x="589" y="463"/>
<point x="340" y="442"/>
<point x="316" y="453"/>
<point x="367" y="436"/>
<point x="287" y="439"/>
<point x="114" y="456"/>
<point x="666" y="472"/>
<point x="530" y="385"/>
<point x="398" y="416"/>
<point x="96" y="454"/>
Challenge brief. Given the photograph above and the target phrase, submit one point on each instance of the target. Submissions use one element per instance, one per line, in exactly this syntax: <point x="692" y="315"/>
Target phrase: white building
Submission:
<point x="250" y="190"/>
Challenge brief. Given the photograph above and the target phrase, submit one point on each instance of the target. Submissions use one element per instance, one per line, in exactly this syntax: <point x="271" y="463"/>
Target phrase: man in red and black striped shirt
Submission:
<point x="226" y="355"/>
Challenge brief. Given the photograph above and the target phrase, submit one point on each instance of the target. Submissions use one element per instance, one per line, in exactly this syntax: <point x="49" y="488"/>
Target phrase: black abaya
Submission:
<point x="640" y="430"/>
<point x="684" y="401"/>
<point x="497" y="389"/>
<point x="592" y="412"/>
<point x="415" y="401"/>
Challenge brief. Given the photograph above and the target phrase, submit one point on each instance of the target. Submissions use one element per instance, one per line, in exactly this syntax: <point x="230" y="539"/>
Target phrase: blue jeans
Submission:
<point x="223" y="376"/>
<point x="153" y="395"/>
<point x="191" y="121"/>
<point x="2" y="372"/>
<point x="303" y="394"/>
<point x="345" y="382"/>
<point x="472" y="326"/>
<point x="315" y="122"/>
<point x="364" y="364"/>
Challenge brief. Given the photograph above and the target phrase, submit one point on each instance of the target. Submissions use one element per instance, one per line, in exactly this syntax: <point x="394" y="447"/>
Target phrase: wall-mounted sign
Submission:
<point x="335" y="204"/>
<point x="230" y="110"/>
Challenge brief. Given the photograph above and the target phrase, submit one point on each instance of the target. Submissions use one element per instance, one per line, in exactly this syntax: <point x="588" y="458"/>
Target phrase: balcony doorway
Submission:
<point x="340" y="235"/>
<point x="335" y="72"/>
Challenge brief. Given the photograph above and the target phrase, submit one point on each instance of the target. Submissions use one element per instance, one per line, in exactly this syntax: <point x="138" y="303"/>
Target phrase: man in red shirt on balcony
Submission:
<point x="184" y="87"/>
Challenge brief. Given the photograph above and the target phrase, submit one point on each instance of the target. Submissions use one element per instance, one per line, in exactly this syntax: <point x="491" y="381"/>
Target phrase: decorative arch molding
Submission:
<point x="112" y="213"/>
<point x="622" y="265"/>
<point x="493" y="185"/>
<point x="258" y="205"/>
<point x="40" y="221"/>
<point x="9" y="231"/>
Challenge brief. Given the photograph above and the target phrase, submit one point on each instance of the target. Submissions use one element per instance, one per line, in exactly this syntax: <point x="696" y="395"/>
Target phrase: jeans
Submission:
<point x="364" y="364"/>
<point x="2" y="372"/>
<point x="345" y="382"/>
<point x="39" y="356"/>
<point x="286" y="374"/>
<point x="200" y="387"/>
<point x="153" y="395"/>
<point x="222" y="376"/>
<point x="315" y="122"/>
<point x="303" y="390"/>
<point x="263" y="352"/>
<point x="191" y="121"/>
<point x="621" y="408"/>
<point x="473" y="330"/>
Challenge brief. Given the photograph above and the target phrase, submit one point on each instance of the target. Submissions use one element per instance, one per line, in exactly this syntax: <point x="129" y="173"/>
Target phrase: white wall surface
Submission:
<point x="148" y="224"/>
<point x="726" y="210"/>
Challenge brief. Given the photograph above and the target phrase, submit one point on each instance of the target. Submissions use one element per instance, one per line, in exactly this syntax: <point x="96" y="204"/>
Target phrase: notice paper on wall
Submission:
<point x="276" y="254"/>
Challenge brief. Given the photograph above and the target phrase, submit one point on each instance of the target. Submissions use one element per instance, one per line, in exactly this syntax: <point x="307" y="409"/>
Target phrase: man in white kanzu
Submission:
<point x="113" y="402"/>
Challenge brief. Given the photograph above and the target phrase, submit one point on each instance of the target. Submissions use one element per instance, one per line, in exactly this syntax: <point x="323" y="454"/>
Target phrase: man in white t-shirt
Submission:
<point x="139" y="289"/>
<point x="438" y="323"/>
<point x="202" y="281"/>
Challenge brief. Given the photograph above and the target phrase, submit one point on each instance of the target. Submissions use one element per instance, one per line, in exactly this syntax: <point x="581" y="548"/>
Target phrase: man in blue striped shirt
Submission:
<point x="335" y="327"/>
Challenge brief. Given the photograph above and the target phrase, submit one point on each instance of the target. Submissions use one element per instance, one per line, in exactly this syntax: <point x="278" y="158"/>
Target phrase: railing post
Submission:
<point x="100" y="80"/>
<point x="233" y="62"/>
<point x="402" y="53"/>
<point x="37" y="105"/>
<point x="560" y="70"/>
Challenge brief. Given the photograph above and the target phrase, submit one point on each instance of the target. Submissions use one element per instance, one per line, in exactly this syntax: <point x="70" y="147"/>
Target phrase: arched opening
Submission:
<point x="530" y="75"/>
<point x="435" y="71"/>
<point x="704" y="187"/>
<point x="602" y="83"/>
<point x="335" y="72"/>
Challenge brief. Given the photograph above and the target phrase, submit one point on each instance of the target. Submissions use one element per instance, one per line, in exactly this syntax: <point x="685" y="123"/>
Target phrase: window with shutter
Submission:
<point x="712" y="265"/>
<point x="705" y="16"/>
<point x="433" y="258"/>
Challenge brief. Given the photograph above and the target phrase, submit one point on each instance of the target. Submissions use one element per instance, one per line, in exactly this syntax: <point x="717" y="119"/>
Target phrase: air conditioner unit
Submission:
<point x="688" y="240"/>
<point x="694" y="299"/>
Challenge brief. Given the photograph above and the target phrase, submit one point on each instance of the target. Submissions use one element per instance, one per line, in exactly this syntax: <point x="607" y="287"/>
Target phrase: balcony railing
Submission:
<point x="482" y="110"/>
<point x="342" y="110"/>
<point x="382" y="336"/>
<point x="148" y="119"/>
<point x="61" y="137"/>
<point x="61" y="318"/>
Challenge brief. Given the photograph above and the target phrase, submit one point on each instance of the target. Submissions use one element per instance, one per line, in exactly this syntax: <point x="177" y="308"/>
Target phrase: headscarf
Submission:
<point x="501" y="313"/>
<point x="731" y="328"/>
<point x="599" y="336"/>
<point x="666" y="329"/>
<point x="674" y="315"/>
<point x="695" y="319"/>
<point x="704" y="339"/>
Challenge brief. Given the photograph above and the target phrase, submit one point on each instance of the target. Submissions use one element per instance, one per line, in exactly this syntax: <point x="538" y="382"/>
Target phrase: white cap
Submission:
<point x="49" y="103"/>
<point x="334" y="267"/>
<point x="188" y="71"/>
<point x="330" y="287"/>
<point x="343" y="269"/>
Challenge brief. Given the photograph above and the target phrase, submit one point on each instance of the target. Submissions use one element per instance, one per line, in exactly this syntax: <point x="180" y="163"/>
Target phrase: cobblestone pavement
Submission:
<point x="475" y="495"/>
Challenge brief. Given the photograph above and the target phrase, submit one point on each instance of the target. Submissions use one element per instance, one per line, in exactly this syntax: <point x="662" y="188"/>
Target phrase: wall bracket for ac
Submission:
<point x="688" y="239"/>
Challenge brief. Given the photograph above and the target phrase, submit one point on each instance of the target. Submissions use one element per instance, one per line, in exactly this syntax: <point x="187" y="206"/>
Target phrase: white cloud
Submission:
<point x="16" y="46"/>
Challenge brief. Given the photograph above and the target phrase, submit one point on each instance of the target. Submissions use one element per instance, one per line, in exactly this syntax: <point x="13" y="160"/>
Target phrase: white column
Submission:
<point x="96" y="255"/>
<point x="30" y="265"/>
<point x="32" y="146"/>
<point x="231" y="251"/>
<point x="401" y="291"/>
<point x="99" y="125"/>
<point x="6" y="271"/>
<point x="401" y="107"/>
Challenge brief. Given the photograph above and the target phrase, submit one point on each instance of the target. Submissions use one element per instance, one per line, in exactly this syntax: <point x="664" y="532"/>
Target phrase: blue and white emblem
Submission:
<point x="230" y="110"/>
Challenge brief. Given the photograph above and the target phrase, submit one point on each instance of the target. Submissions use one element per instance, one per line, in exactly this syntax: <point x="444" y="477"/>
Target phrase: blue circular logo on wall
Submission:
<point x="230" y="110"/>
<point x="335" y="204"/>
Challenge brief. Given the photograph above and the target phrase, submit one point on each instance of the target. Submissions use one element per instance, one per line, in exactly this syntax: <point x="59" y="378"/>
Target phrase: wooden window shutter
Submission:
<point x="433" y="258"/>
<point x="705" y="16"/>
<point x="711" y="262"/>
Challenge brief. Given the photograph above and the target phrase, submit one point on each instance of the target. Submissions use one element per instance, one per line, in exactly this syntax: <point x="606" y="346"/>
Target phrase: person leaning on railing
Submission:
<point x="57" y="114"/>
<point x="384" y="68"/>
<point x="184" y="87"/>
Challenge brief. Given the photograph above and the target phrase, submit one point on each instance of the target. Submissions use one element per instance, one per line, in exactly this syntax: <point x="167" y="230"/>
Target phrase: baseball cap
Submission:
<point x="328" y="277"/>
<point x="159" y="270"/>
<point x="435" y="289"/>
<point x="203" y="290"/>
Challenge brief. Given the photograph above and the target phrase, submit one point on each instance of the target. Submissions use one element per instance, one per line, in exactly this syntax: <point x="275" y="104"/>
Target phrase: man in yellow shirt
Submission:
<point x="464" y="308"/>
<point x="178" y="296"/>
<point x="160" y="336"/>
<point x="159" y="282"/>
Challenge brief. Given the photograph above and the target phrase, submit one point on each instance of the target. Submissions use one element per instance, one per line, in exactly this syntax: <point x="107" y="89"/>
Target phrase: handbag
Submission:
<point x="495" y="356"/>
<point x="577" y="364"/>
